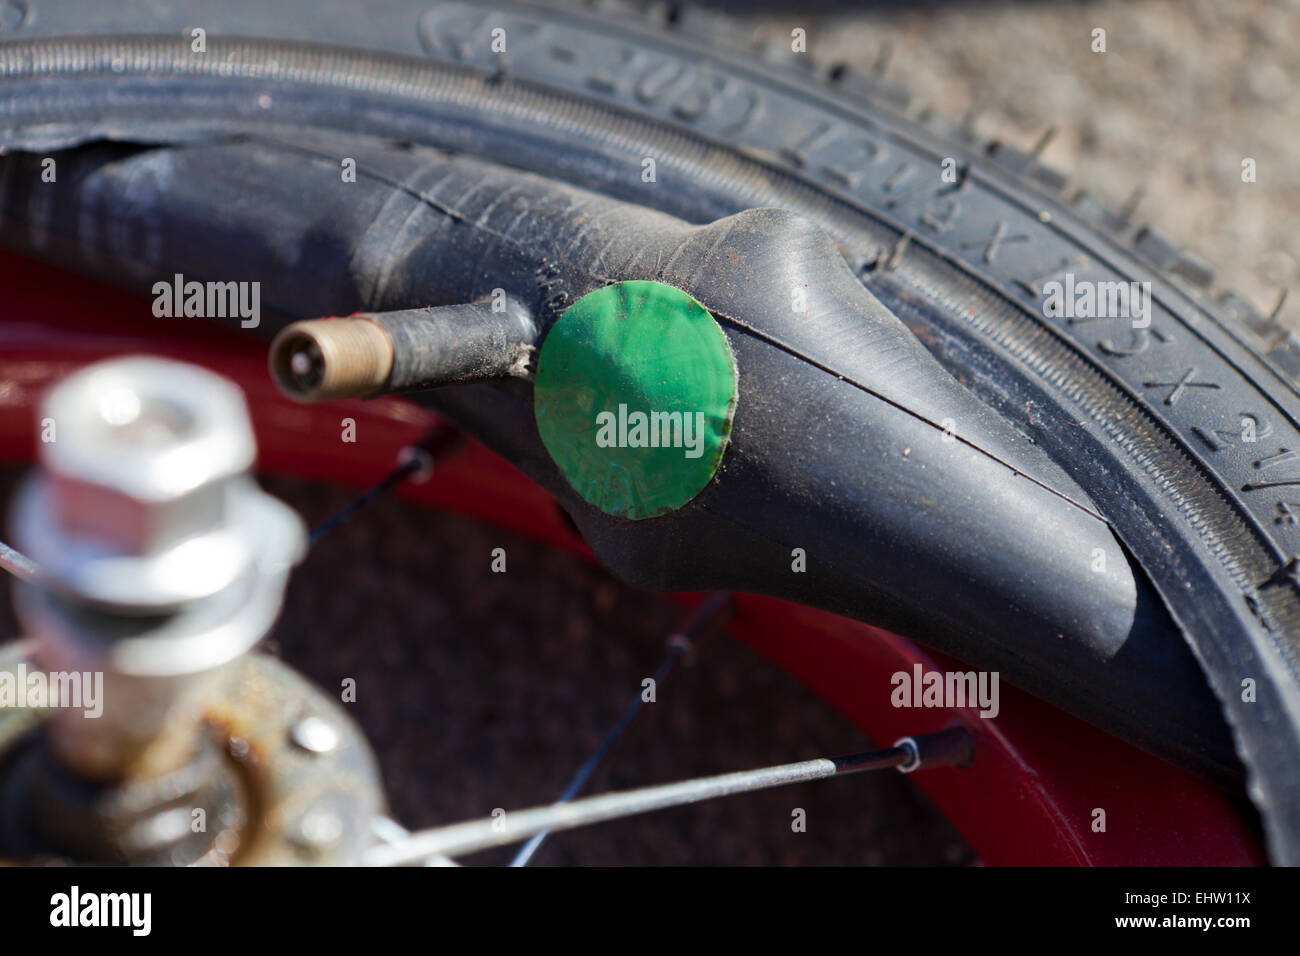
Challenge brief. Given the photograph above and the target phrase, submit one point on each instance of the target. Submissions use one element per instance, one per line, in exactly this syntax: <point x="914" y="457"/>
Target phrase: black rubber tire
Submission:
<point x="1151" y="422"/>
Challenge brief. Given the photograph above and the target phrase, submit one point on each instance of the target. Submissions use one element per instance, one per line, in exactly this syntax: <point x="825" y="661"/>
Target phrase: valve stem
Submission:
<point x="383" y="353"/>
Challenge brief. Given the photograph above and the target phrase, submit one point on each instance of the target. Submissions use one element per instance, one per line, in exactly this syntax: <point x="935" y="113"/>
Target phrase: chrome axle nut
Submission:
<point x="143" y="498"/>
<point x="159" y="559"/>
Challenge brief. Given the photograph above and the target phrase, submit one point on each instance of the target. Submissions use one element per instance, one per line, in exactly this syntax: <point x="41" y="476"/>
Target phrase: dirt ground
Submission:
<point x="1185" y="90"/>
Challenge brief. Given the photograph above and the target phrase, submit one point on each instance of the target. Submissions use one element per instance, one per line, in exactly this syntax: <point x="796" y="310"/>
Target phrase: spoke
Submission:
<point x="16" y="563"/>
<point x="946" y="748"/>
<point x="710" y="612"/>
<point x="389" y="481"/>
<point x="389" y="831"/>
<point x="415" y="462"/>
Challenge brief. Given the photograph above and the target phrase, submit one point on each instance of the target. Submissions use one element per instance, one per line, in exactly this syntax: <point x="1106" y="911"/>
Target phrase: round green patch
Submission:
<point x="635" y="391"/>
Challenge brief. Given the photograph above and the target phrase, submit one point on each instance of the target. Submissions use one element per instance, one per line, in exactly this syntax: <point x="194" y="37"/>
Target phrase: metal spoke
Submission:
<point x="389" y="831"/>
<point x="710" y="612"/>
<point x="16" y="563"/>
<point x="414" y="462"/>
<point x="945" y="748"/>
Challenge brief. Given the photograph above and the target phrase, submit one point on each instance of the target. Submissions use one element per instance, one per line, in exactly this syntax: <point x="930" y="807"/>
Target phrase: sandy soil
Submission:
<point x="1185" y="90"/>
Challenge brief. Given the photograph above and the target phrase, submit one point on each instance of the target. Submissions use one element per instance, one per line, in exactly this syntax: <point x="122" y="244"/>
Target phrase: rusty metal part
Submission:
<point x="160" y="564"/>
<point x="300" y="783"/>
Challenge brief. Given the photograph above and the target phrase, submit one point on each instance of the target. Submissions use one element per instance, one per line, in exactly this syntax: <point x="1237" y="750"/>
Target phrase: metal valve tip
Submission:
<point x="322" y="359"/>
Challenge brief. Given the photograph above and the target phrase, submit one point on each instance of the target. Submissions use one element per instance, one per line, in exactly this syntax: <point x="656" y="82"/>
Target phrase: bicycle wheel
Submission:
<point x="1146" y="421"/>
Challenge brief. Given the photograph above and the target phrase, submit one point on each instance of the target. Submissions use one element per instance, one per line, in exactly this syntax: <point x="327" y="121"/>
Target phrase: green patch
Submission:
<point x="634" y="396"/>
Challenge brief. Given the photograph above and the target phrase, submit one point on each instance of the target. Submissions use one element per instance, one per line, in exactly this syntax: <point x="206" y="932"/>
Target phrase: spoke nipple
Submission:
<point x="954" y="747"/>
<point x="913" y="754"/>
<point x="420" y="460"/>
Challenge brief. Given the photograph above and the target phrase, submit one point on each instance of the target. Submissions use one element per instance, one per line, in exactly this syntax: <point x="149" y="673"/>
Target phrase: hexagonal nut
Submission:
<point x="148" y="460"/>
<point x="149" y="429"/>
